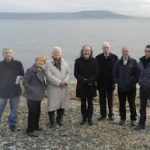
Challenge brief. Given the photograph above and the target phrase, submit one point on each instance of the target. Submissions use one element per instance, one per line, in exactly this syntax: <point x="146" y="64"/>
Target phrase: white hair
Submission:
<point x="6" y="49"/>
<point x="56" y="49"/>
<point x="126" y="47"/>
<point x="106" y="44"/>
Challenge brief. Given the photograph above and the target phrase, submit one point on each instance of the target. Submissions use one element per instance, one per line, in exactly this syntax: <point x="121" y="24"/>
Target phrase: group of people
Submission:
<point x="101" y="73"/>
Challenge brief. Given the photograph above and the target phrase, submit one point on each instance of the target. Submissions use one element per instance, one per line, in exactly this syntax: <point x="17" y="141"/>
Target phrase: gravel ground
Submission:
<point x="104" y="135"/>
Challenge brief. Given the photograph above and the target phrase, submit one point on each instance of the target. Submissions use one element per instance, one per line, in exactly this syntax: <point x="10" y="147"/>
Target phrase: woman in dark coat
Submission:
<point x="35" y="84"/>
<point x="86" y="72"/>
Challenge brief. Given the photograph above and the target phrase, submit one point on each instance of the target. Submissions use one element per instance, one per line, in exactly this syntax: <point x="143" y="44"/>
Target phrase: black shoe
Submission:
<point x="133" y="123"/>
<point x="82" y="122"/>
<point x="111" y="118"/>
<point x="59" y="123"/>
<point x="122" y="122"/>
<point x="90" y="122"/>
<point x="32" y="134"/>
<point x="13" y="128"/>
<point x="101" y="118"/>
<point x="140" y="127"/>
<point x="38" y="129"/>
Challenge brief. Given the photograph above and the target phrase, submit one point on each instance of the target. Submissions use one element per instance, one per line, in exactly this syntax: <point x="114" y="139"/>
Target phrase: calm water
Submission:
<point x="31" y="37"/>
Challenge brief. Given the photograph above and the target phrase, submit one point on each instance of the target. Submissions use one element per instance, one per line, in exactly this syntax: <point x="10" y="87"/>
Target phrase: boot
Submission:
<point x="51" y="118"/>
<point x="59" y="118"/>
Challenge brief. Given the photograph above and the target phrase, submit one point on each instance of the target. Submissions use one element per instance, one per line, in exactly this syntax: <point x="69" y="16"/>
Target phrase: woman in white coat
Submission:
<point x="57" y="71"/>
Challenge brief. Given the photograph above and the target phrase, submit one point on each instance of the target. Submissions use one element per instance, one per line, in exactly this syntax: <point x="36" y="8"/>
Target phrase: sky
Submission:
<point x="129" y="7"/>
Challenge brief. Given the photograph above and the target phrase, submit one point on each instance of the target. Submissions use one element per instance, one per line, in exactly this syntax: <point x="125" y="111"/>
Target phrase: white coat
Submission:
<point x="58" y="97"/>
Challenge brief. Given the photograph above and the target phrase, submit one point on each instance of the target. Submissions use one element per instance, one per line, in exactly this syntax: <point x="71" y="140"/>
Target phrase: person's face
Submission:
<point x="125" y="52"/>
<point x="106" y="49"/>
<point x="86" y="52"/>
<point x="57" y="54"/>
<point x="40" y="63"/>
<point x="8" y="55"/>
<point x="147" y="52"/>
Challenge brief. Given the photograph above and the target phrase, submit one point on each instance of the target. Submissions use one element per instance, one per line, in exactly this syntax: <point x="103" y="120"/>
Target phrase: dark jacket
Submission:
<point x="8" y="74"/>
<point x="86" y="72"/>
<point x="126" y="76"/>
<point x="34" y="83"/>
<point x="106" y="71"/>
<point x="144" y="76"/>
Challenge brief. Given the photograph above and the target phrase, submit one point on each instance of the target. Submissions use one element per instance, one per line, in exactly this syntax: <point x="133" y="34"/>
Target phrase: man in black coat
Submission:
<point x="10" y="76"/>
<point x="105" y="82"/>
<point x="144" y="82"/>
<point x="86" y="72"/>
<point x="126" y="79"/>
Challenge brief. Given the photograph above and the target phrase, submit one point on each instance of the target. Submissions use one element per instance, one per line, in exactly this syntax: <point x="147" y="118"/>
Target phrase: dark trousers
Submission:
<point x="143" y="103"/>
<point x="106" y="95"/>
<point x="87" y="108"/>
<point x="34" y="108"/>
<point x="59" y="117"/>
<point x="130" y="96"/>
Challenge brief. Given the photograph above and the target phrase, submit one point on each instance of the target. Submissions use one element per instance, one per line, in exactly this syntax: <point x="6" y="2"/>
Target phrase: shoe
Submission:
<point x="82" y="122"/>
<point x="90" y="122"/>
<point x="38" y="129"/>
<point x="32" y="134"/>
<point x="111" y="118"/>
<point x="13" y="128"/>
<point x="140" y="127"/>
<point x="101" y="118"/>
<point x="51" y="125"/>
<point x="133" y="123"/>
<point x="59" y="123"/>
<point x="122" y="122"/>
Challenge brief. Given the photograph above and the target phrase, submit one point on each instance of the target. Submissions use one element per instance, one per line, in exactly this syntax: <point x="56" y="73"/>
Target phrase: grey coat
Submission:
<point x="34" y="83"/>
<point x="57" y="97"/>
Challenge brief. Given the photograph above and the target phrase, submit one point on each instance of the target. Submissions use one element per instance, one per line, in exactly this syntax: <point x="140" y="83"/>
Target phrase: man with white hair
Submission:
<point x="11" y="73"/>
<point x="126" y="77"/>
<point x="105" y="83"/>
<point x="57" y="71"/>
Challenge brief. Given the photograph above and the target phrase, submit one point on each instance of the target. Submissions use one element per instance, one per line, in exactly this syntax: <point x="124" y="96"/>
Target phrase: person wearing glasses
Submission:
<point x="144" y="82"/>
<point x="105" y="83"/>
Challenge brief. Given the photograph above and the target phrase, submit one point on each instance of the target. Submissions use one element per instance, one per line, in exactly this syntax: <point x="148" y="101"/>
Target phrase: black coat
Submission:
<point x="106" y="71"/>
<point x="8" y="74"/>
<point x="34" y="83"/>
<point x="86" y="72"/>
<point x="126" y="76"/>
<point x="144" y="75"/>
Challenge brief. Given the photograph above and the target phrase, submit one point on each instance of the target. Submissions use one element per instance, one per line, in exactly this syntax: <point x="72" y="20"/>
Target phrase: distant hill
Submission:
<point x="64" y="15"/>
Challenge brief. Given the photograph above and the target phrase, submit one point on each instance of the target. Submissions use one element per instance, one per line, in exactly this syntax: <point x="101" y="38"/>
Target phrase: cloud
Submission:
<point x="130" y="7"/>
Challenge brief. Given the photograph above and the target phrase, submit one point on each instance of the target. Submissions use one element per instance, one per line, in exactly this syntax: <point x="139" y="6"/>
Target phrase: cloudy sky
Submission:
<point x="130" y="7"/>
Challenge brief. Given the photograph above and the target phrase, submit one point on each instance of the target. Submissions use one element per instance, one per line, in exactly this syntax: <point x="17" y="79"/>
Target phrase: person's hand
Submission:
<point x="62" y="84"/>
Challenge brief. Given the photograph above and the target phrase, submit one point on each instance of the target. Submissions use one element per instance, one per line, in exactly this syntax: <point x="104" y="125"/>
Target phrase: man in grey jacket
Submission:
<point x="126" y="78"/>
<point x="144" y="82"/>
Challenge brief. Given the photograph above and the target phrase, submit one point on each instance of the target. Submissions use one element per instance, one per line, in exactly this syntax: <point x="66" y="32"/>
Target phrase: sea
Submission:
<point x="28" y="38"/>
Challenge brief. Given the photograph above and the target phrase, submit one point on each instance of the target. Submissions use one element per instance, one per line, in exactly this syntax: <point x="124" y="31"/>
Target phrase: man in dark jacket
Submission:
<point x="86" y="72"/>
<point x="105" y="83"/>
<point x="10" y="76"/>
<point x="144" y="82"/>
<point x="126" y="78"/>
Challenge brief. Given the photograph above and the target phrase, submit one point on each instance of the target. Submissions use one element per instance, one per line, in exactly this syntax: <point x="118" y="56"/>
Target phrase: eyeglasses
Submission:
<point x="147" y="51"/>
